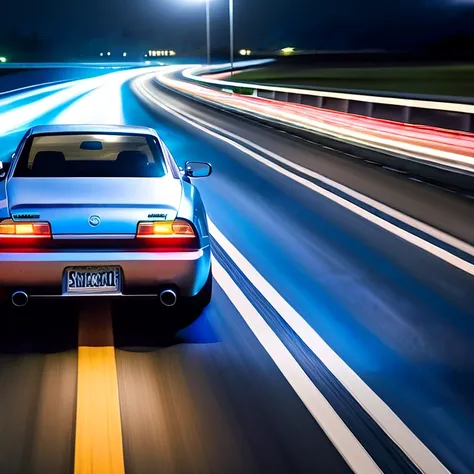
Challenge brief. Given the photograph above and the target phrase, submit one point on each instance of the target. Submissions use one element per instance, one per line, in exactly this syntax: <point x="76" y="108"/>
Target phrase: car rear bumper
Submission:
<point x="42" y="274"/>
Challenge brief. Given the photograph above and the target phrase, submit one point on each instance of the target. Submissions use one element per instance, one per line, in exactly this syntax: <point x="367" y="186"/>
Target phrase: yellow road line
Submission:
<point x="98" y="444"/>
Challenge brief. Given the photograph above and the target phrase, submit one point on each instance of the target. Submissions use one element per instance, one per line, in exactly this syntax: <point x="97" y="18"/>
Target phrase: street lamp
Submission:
<point x="208" y="31"/>
<point x="231" y="20"/>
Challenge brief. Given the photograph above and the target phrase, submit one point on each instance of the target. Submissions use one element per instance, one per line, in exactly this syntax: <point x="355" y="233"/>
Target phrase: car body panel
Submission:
<point x="186" y="271"/>
<point x="68" y="203"/>
<point x="91" y="128"/>
<point x="192" y="209"/>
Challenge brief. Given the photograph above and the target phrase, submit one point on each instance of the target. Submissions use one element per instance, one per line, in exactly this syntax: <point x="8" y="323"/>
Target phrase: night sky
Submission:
<point x="179" y="24"/>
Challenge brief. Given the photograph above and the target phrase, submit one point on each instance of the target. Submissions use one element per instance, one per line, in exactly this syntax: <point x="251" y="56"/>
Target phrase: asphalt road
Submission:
<point x="238" y="390"/>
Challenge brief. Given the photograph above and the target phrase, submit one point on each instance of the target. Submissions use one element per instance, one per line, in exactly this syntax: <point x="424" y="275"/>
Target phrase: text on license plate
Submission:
<point x="90" y="279"/>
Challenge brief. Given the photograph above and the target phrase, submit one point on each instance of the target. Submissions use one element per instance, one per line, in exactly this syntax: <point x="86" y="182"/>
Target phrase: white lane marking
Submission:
<point x="345" y="442"/>
<point x="381" y="413"/>
<point x="403" y="234"/>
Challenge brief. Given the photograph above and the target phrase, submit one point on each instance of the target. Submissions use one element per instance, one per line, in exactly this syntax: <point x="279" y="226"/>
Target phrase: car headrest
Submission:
<point x="133" y="158"/>
<point x="48" y="162"/>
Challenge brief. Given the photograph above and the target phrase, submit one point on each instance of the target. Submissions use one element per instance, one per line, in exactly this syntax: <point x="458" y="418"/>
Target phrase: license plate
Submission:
<point x="89" y="280"/>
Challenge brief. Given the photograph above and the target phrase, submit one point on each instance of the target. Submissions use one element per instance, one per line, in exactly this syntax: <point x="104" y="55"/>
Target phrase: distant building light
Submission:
<point x="124" y="55"/>
<point x="161" y="52"/>
<point x="287" y="51"/>
<point x="108" y="54"/>
<point x="3" y="59"/>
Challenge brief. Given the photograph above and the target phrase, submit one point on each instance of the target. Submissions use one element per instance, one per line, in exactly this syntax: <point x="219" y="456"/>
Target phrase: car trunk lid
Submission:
<point x="93" y="206"/>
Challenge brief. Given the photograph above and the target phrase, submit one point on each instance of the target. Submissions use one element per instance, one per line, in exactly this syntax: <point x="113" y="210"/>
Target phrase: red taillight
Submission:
<point x="166" y="229"/>
<point x="27" y="230"/>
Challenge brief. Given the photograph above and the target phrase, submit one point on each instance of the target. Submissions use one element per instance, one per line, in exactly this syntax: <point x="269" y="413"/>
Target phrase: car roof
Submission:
<point x="91" y="128"/>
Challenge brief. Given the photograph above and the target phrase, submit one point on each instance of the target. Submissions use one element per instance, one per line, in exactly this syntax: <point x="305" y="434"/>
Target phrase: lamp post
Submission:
<point x="231" y="21"/>
<point x="208" y="31"/>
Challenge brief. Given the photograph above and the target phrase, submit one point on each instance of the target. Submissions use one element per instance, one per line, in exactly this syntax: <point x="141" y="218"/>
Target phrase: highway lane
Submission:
<point x="34" y="406"/>
<point x="91" y="109"/>
<point x="371" y="296"/>
<point x="212" y="399"/>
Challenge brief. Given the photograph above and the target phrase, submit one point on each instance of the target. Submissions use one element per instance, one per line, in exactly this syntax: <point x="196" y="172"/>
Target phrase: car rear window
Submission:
<point x="91" y="156"/>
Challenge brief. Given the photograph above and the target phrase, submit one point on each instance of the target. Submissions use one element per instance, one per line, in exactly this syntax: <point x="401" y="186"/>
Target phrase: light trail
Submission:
<point x="445" y="147"/>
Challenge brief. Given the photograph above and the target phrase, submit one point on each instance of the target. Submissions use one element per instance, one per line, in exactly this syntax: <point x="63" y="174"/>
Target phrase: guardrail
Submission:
<point x="442" y="112"/>
<point x="454" y="172"/>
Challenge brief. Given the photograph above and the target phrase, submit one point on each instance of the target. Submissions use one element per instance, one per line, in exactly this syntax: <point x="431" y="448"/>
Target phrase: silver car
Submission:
<point x="102" y="211"/>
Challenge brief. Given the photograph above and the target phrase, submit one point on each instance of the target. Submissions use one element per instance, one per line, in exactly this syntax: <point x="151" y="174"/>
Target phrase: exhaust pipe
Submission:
<point x="168" y="298"/>
<point x="19" y="299"/>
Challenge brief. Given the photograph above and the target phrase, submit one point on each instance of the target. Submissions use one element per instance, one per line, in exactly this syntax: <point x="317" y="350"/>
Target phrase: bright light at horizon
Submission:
<point x="3" y="59"/>
<point x="287" y="51"/>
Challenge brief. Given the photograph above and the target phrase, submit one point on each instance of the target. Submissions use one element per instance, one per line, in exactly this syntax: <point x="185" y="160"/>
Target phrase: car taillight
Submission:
<point x="166" y="229"/>
<point x="27" y="230"/>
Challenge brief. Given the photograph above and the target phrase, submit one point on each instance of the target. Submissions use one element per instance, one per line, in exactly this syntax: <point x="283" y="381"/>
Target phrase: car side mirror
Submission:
<point x="197" y="169"/>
